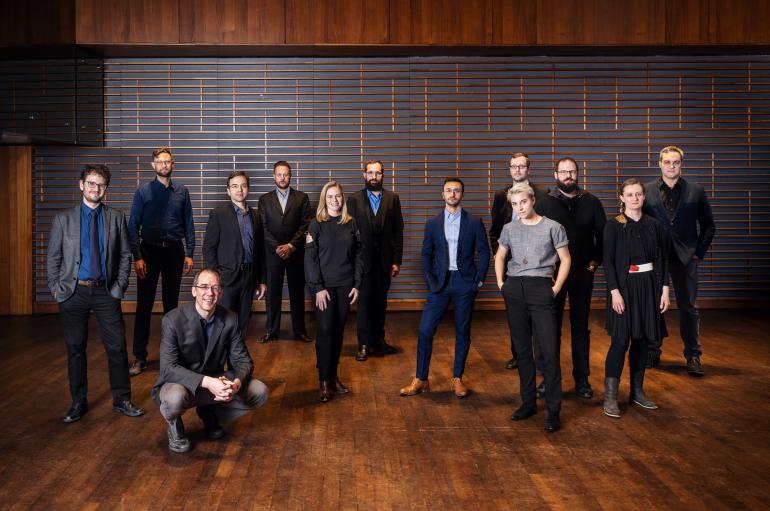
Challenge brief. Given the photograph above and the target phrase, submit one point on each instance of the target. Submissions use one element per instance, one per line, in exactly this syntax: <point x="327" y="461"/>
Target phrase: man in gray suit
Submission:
<point x="88" y="262"/>
<point x="195" y="342"/>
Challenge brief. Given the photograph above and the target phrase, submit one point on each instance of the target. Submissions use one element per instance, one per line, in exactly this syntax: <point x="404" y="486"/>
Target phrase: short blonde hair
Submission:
<point x="322" y="214"/>
<point x="671" y="149"/>
<point x="521" y="188"/>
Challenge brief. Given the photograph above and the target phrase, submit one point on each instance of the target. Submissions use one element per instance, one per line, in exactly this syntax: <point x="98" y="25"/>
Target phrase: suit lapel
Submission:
<point x="106" y="220"/>
<point x="216" y="333"/>
<point x="683" y="196"/>
<point x="463" y="228"/>
<point x="235" y="231"/>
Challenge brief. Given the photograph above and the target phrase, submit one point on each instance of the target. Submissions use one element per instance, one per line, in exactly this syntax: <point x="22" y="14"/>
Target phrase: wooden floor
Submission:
<point x="708" y="447"/>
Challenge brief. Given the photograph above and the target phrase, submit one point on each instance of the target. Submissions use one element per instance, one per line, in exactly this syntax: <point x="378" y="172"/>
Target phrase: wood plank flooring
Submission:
<point x="708" y="447"/>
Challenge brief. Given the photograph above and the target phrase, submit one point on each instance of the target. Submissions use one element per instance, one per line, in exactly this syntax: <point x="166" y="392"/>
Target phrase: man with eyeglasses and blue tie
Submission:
<point x="162" y="237"/>
<point x="196" y="341"/>
<point x="88" y="264"/>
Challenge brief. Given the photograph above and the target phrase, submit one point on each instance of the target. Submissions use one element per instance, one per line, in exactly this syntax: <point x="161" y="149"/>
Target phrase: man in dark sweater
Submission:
<point x="583" y="217"/>
<point x="684" y="210"/>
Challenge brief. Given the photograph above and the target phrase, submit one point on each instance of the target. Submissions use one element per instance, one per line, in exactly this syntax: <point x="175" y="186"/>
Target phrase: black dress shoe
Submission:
<point x="340" y="387"/>
<point x="137" y="367"/>
<point x="268" y="337"/>
<point x="524" y="412"/>
<point x="552" y="422"/>
<point x="324" y="391"/>
<point x="362" y="355"/>
<point x="127" y="408"/>
<point x="540" y="390"/>
<point x="177" y="440"/>
<point x="584" y="390"/>
<point x="211" y="427"/>
<point x="694" y="367"/>
<point x="512" y="364"/>
<point x="303" y="338"/>
<point x="76" y="411"/>
<point x="653" y="361"/>
<point x="387" y="349"/>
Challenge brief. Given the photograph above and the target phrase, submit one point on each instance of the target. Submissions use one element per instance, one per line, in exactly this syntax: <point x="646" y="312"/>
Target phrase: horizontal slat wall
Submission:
<point x="427" y="118"/>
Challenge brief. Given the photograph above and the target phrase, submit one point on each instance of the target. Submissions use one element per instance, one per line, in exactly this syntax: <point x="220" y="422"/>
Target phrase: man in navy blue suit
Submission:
<point x="452" y="242"/>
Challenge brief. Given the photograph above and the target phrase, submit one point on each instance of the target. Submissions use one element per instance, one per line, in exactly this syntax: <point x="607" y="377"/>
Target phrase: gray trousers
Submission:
<point x="175" y="399"/>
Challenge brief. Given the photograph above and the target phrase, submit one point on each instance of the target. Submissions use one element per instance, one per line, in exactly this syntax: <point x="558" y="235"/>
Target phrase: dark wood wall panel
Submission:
<point x="231" y="21"/>
<point x="441" y="22"/>
<point x="337" y="22"/>
<point x="16" y="277"/>
<point x="427" y="118"/>
<point x="128" y="21"/>
<point x="43" y="22"/>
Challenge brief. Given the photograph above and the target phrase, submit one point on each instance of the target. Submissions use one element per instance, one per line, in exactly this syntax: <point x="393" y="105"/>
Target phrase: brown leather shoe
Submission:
<point x="458" y="387"/>
<point x="267" y="338"/>
<point x="340" y="387"/>
<point x="417" y="386"/>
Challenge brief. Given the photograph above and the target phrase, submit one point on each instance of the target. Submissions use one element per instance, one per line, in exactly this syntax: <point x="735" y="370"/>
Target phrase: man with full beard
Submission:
<point x="378" y="214"/>
<point x="583" y="217"/>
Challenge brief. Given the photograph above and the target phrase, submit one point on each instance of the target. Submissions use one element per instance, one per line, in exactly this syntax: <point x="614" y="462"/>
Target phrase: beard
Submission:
<point x="374" y="186"/>
<point x="567" y="188"/>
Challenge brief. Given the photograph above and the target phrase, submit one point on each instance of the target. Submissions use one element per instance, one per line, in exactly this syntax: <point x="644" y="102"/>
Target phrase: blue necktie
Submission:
<point x="95" y="268"/>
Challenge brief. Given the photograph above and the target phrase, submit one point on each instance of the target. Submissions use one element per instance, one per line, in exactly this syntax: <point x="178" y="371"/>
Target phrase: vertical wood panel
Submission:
<point x="601" y="22"/>
<point x="514" y="22"/>
<point x="449" y="22"/>
<point x="16" y="234"/>
<point x="687" y="21"/>
<point x="40" y="22"/>
<point x="127" y="21"/>
<point x="741" y="21"/>
<point x="231" y="21"/>
<point x="337" y="22"/>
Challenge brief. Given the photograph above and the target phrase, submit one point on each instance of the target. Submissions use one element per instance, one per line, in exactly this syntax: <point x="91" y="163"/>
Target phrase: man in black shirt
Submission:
<point x="684" y="210"/>
<point x="502" y="213"/>
<point x="583" y="217"/>
<point x="378" y="214"/>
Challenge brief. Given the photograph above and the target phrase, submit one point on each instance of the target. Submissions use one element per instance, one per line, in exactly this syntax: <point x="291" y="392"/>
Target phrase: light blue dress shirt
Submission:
<point x="452" y="235"/>
<point x="283" y="197"/>
<point x="374" y="200"/>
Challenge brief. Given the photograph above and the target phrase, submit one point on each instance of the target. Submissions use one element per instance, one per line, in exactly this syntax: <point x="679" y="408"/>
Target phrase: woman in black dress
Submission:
<point x="635" y="255"/>
<point x="333" y="271"/>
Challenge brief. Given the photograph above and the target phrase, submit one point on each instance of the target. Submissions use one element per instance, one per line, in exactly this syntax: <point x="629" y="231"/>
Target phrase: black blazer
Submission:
<point x="382" y="233"/>
<point x="185" y="357"/>
<point x="285" y="227"/>
<point x="617" y="259"/>
<point x="223" y="248"/>
<point x="502" y="212"/>
<point x="692" y="213"/>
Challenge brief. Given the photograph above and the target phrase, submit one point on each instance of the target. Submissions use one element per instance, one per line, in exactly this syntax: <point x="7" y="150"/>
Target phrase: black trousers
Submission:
<point x="294" y="269"/>
<point x="75" y="312"/>
<point x="165" y="262"/>
<point x="685" y="281"/>
<point x="238" y="297"/>
<point x="530" y="307"/>
<point x="637" y="357"/>
<point x="372" y="305"/>
<point x="579" y="286"/>
<point x="330" y="330"/>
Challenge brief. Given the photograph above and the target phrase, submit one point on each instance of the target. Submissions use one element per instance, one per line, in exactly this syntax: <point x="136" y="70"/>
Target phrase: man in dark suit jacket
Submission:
<point x="684" y="210"/>
<point x="455" y="259"/>
<point x="378" y="214"/>
<point x="234" y="245"/>
<point x="88" y="263"/>
<point x="196" y="341"/>
<point x="285" y="214"/>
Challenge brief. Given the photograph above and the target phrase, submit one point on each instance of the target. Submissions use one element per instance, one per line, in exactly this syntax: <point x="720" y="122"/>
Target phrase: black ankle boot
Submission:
<point x="637" y="392"/>
<point x="611" y="408"/>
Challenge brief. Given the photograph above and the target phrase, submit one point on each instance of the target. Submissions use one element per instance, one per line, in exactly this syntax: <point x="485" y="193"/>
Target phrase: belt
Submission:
<point x="640" y="268"/>
<point x="91" y="283"/>
<point x="162" y="243"/>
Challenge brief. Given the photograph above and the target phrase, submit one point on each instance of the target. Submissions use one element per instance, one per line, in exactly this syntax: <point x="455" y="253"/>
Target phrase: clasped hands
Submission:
<point x="221" y="388"/>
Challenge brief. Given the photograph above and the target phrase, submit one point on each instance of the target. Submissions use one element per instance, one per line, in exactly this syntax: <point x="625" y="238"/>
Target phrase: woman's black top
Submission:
<point x="634" y="242"/>
<point x="333" y="258"/>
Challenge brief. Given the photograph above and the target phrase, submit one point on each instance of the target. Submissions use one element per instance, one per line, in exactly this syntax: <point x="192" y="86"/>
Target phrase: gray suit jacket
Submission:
<point x="63" y="259"/>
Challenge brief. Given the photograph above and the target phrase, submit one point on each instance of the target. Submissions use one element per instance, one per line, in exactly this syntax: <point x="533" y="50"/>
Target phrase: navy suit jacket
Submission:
<point x="472" y="242"/>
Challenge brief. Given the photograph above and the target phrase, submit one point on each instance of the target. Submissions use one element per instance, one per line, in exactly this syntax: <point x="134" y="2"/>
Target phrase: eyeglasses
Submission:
<point x="207" y="287"/>
<point x="373" y="174"/>
<point x="163" y="163"/>
<point x="565" y="172"/>
<point x="518" y="167"/>
<point x="93" y="184"/>
<point x="669" y="163"/>
<point x="239" y="187"/>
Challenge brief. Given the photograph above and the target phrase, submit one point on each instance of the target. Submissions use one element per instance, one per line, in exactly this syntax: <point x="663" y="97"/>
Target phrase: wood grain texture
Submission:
<point x="16" y="234"/>
<point x="337" y="22"/>
<point x="127" y="21"/>
<point x="231" y="21"/>
<point x="601" y="22"/>
<point x="443" y="22"/>
<point x="44" y="22"/>
<point x="374" y="450"/>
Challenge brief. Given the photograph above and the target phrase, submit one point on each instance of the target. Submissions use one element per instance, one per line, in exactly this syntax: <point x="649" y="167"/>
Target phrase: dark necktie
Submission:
<point x="95" y="268"/>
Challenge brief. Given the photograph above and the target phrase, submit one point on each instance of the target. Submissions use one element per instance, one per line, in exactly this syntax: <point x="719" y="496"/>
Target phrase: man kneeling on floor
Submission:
<point x="196" y="340"/>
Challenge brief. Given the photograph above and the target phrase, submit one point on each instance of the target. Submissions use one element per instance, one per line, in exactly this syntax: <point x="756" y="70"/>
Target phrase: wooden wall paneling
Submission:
<point x="16" y="234"/>
<point x="43" y="22"/>
<point x="337" y="22"/>
<point x="514" y="22"/>
<point x="740" y="21"/>
<point x="231" y="21"/>
<point x="127" y="21"/>
<point x="443" y="22"/>
<point x="689" y="22"/>
<point x="601" y="22"/>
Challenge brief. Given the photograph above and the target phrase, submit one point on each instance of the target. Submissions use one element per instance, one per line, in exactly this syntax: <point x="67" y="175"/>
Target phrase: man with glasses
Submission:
<point x="162" y="241"/>
<point x="583" y="217"/>
<point x="378" y="215"/>
<point x="196" y="341"/>
<point x="233" y="245"/>
<point x="502" y="213"/>
<point x="88" y="264"/>
<point x="684" y="210"/>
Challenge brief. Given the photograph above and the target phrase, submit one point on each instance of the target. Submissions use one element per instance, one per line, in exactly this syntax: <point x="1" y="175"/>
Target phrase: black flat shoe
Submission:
<point x="76" y="411"/>
<point x="388" y="349"/>
<point x="127" y="408"/>
<point x="552" y="422"/>
<point x="524" y="412"/>
<point x="512" y="364"/>
<point x="362" y="355"/>
<point x="584" y="390"/>
<point x="324" y="392"/>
